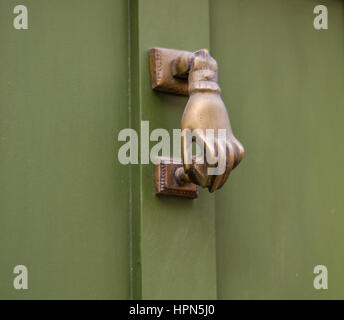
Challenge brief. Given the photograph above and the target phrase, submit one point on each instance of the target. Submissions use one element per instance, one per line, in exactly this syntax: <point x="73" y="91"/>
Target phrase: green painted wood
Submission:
<point x="281" y="212"/>
<point x="65" y="208"/>
<point x="63" y="195"/>
<point x="173" y="238"/>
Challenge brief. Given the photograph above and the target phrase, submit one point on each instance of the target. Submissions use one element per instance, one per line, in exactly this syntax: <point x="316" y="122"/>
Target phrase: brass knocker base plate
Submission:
<point x="165" y="181"/>
<point x="161" y="62"/>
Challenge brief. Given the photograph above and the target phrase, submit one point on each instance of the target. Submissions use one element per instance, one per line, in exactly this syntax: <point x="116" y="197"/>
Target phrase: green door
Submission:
<point x="281" y="214"/>
<point x="88" y="227"/>
<point x="63" y="196"/>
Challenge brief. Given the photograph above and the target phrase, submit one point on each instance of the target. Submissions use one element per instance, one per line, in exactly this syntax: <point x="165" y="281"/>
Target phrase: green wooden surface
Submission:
<point x="174" y="238"/>
<point x="281" y="212"/>
<point x="80" y="74"/>
<point x="63" y="195"/>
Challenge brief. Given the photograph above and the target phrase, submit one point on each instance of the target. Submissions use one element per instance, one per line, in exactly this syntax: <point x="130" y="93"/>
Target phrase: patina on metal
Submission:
<point x="164" y="76"/>
<point x="166" y="182"/>
<point x="183" y="72"/>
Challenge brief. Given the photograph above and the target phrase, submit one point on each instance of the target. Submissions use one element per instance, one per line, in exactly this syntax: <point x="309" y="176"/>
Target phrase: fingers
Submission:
<point x="198" y="173"/>
<point x="187" y="139"/>
<point x="220" y="170"/>
<point x="230" y="160"/>
<point x="235" y="153"/>
<point x="239" y="152"/>
<point x="205" y="160"/>
<point x="219" y="156"/>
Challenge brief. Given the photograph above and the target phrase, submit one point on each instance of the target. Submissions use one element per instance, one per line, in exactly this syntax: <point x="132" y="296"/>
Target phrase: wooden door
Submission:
<point x="88" y="227"/>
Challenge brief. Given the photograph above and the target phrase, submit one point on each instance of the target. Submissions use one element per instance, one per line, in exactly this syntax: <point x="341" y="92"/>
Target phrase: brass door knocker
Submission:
<point x="205" y="121"/>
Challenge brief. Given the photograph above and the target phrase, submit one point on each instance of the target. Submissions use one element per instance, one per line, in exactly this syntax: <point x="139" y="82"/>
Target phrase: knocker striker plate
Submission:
<point x="165" y="181"/>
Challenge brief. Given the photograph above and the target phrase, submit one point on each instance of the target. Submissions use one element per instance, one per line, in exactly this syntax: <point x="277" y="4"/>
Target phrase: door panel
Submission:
<point x="63" y="196"/>
<point x="174" y="238"/>
<point x="280" y="214"/>
<point x="87" y="226"/>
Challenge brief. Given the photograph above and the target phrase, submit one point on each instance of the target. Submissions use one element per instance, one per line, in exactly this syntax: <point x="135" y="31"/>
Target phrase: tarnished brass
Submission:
<point x="164" y="77"/>
<point x="177" y="71"/>
<point x="166" y="182"/>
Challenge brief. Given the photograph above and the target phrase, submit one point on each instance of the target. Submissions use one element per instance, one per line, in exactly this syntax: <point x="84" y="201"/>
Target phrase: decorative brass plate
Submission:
<point x="161" y="70"/>
<point x="165" y="181"/>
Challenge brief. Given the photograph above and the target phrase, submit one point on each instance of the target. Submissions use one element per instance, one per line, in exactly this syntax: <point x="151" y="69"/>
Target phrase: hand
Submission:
<point x="205" y="121"/>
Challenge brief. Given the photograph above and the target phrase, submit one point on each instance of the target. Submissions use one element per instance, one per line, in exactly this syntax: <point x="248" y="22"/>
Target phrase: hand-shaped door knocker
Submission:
<point x="205" y="121"/>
